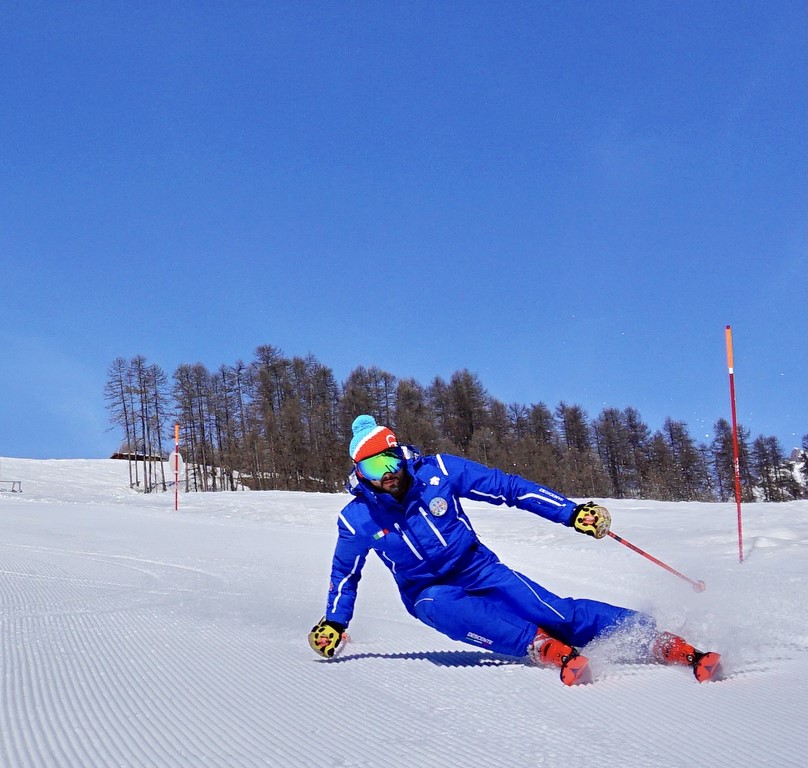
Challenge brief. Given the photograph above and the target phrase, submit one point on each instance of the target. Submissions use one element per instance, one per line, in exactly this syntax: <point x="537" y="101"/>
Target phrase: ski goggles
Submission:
<point x="376" y="467"/>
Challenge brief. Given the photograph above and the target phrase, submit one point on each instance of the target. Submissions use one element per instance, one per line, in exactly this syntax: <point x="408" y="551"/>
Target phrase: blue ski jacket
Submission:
<point x="426" y="538"/>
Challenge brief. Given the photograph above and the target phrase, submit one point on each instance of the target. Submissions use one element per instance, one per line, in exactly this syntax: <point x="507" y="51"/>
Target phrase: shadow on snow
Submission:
<point x="439" y="658"/>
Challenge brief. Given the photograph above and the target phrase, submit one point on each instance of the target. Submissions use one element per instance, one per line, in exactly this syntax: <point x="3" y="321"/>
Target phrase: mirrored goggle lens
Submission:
<point x="376" y="467"/>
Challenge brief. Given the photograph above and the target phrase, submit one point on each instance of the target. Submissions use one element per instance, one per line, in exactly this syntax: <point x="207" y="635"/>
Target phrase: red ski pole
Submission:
<point x="698" y="586"/>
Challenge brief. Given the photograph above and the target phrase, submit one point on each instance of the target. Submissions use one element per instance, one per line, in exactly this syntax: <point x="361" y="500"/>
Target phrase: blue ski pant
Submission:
<point x="492" y="606"/>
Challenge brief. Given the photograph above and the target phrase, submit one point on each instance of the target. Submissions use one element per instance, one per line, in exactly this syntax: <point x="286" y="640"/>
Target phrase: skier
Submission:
<point x="407" y="508"/>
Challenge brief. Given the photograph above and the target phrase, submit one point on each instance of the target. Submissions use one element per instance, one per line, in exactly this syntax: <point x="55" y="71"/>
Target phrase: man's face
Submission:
<point x="385" y="472"/>
<point x="394" y="483"/>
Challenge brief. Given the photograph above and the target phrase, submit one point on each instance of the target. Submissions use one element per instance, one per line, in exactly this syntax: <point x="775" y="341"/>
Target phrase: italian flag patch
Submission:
<point x="381" y="534"/>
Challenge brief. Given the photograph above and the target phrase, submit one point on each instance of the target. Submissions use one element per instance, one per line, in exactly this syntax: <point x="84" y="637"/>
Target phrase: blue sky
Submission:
<point x="571" y="200"/>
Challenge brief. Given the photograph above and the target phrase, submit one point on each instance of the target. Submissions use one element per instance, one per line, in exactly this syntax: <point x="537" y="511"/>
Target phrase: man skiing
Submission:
<point x="407" y="508"/>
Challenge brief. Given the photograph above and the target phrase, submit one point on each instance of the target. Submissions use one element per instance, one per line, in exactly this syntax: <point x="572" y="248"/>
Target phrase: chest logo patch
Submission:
<point x="435" y="481"/>
<point x="438" y="506"/>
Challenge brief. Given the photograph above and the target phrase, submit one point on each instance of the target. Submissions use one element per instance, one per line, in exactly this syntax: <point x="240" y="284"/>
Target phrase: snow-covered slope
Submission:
<point x="133" y="635"/>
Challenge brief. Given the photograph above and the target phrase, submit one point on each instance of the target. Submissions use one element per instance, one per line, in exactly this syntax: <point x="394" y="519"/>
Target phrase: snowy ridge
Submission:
<point x="131" y="635"/>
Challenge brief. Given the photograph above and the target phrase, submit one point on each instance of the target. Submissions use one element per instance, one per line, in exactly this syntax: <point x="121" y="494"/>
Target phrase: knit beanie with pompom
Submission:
<point x="369" y="438"/>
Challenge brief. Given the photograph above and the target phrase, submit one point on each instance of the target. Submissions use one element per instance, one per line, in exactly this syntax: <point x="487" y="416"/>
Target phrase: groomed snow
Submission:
<point x="134" y="636"/>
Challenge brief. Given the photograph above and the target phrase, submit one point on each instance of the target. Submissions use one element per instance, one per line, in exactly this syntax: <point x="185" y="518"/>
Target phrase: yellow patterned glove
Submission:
<point x="591" y="519"/>
<point x="325" y="637"/>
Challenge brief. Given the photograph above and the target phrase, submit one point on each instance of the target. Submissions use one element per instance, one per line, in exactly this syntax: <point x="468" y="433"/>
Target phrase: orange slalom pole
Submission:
<point x="735" y="451"/>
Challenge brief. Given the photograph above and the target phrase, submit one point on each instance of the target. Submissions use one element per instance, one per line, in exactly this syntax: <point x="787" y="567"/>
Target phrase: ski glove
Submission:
<point x="591" y="519"/>
<point x="325" y="637"/>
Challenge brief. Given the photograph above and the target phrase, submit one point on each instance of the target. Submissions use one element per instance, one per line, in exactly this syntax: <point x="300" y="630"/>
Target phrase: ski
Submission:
<point x="706" y="668"/>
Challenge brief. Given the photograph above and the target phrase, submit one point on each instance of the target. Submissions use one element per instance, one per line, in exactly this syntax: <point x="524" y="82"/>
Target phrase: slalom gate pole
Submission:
<point x="698" y="586"/>
<point x="176" y="467"/>
<point x="736" y="463"/>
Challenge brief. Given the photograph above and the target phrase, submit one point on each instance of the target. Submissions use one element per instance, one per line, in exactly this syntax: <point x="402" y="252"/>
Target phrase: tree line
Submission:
<point x="279" y="423"/>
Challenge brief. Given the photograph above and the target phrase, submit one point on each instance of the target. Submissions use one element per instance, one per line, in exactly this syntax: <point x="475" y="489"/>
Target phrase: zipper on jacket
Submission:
<point x="408" y="542"/>
<point x="433" y="527"/>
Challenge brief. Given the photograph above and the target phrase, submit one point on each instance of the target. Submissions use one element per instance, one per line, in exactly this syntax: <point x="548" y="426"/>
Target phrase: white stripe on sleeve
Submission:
<point x="342" y="584"/>
<point x="346" y="523"/>
<point x="542" y="497"/>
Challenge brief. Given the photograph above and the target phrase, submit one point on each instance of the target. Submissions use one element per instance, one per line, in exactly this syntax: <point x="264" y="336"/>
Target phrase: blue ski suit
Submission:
<point x="446" y="577"/>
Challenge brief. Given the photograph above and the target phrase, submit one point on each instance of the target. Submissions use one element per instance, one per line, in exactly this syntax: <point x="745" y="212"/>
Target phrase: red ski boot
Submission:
<point x="545" y="650"/>
<point x="672" y="649"/>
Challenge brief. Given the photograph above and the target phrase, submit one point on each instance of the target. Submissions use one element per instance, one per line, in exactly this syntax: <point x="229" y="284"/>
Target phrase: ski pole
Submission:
<point x="698" y="586"/>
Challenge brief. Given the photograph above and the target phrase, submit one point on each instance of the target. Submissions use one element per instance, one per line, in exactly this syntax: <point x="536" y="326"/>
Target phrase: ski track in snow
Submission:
<point x="135" y="636"/>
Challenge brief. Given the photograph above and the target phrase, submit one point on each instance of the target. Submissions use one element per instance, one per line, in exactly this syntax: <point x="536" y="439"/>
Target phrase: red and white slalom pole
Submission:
<point x="176" y="467"/>
<point x="736" y="462"/>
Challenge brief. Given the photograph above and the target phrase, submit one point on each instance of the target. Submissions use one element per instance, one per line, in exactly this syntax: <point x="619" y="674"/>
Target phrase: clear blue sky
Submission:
<point x="569" y="199"/>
